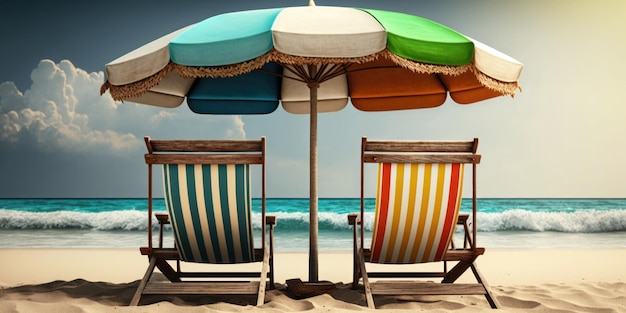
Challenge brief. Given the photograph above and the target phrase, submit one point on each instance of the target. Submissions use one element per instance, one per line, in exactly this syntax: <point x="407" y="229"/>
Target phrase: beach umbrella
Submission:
<point x="311" y="59"/>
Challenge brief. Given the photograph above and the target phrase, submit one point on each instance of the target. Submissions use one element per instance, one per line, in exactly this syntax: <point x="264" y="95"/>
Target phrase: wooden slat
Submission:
<point x="172" y="253"/>
<point x="203" y="159"/>
<point x="206" y="145"/>
<point x="188" y="288"/>
<point x="451" y="254"/>
<point x="405" y="274"/>
<point x="423" y="288"/>
<point x="420" y="146"/>
<point x="220" y="274"/>
<point x="420" y="158"/>
<point x="161" y="253"/>
<point x="463" y="254"/>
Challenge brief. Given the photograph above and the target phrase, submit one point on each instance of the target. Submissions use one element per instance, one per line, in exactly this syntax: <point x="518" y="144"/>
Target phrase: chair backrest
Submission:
<point x="418" y="197"/>
<point x="208" y="197"/>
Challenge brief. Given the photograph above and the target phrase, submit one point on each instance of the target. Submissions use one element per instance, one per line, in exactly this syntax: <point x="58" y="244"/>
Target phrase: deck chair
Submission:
<point x="418" y="199"/>
<point x="208" y="200"/>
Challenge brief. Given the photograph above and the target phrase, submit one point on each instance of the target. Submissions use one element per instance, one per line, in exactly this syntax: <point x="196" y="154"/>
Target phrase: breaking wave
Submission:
<point x="583" y="221"/>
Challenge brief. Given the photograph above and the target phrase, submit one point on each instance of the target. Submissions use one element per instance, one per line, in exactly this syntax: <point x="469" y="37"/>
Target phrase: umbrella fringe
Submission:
<point x="505" y="88"/>
<point x="298" y="60"/>
<point x="223" y="71"/>
<point x="137" y="88"/>
<point x="425" y="68"/>
<point x="106" y="86"/>
<point x="140" y="87"/>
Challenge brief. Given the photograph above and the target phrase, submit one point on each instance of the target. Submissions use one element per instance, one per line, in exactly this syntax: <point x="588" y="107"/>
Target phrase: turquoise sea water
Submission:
<point x="502" y="223"/>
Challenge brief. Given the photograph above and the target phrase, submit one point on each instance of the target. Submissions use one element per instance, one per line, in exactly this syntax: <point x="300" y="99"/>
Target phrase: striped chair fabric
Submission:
<point x="210" y="211"/>
<point x="417" y="207"/>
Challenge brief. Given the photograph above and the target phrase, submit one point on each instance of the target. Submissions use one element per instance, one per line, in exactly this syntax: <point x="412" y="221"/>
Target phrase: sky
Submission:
<point x="562" y="136"/>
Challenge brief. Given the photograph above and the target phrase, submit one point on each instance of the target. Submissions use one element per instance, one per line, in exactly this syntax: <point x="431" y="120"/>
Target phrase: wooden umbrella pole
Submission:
<point x="313" y="222"/>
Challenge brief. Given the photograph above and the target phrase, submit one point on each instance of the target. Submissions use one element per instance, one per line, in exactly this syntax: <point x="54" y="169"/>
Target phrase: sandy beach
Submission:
<point x="103" y="280"/>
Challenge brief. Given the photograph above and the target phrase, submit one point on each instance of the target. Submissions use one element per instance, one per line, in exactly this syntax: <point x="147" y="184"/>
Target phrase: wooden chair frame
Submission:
<point x="205" y="152"/>
<point x="464" y="255"/>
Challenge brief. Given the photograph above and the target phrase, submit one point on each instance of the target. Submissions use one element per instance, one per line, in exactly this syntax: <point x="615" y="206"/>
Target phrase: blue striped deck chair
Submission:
<point x="419" y="190"/>
<point x="207" y="194"/>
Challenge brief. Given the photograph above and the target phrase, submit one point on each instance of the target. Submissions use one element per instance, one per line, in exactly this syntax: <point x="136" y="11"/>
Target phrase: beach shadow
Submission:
<point x="281" y="298"/>
<point x="111" y="294"/>
<point x="101" y="292"/>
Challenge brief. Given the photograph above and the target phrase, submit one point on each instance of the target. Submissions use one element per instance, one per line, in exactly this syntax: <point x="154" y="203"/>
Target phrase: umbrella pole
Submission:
<point x="313" y="221"/>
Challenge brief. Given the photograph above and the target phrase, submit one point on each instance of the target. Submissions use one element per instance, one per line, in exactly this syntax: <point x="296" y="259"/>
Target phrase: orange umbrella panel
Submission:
<point x="381" y="85"/>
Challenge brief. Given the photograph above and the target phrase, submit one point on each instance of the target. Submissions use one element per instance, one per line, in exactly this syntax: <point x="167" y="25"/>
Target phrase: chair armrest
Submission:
<point x="462" y="218"/>
<point x="353" y="219"/>
<point x="467" y="235"/>
<point x="163" y="218"/>
<point x="270" y="220"/>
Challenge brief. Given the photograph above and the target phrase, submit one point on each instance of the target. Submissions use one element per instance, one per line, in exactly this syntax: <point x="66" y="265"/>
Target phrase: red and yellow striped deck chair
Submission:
<point x="418" y="198"/>
<point x="207" y="193"/>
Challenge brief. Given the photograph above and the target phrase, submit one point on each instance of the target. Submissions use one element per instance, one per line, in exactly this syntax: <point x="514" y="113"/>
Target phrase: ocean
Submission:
<point x="501" y="223"/>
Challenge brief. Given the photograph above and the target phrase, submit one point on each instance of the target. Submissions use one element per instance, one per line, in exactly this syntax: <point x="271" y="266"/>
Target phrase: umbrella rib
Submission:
<point x="335" y="71"/>
<point x="270" y="72"/>
<point x="324" y="72"/>
<point x="321" y="72"/>
<point x="299" y="71"/>
<point x="299" y="77"/>
<point x="280" y="75"/>
<point x="369" y="68"/>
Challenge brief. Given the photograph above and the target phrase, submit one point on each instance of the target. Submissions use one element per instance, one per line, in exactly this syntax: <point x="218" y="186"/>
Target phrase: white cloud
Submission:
<point x="63" y="110"/>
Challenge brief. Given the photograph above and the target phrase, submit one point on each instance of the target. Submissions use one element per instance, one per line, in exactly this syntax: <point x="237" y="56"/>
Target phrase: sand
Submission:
<point x="104" y="280"/>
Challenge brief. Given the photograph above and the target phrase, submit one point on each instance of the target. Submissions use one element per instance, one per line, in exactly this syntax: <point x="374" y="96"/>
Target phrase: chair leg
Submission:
<point x="144" y="282"/>
<point x="356" y="272"/>
<point x="263" y="278"/>
<point x="167" y="270"/>
<point x="457" y="271"/>
<point x="493" y="302"/>
<point x="271" y="260"/>
<point x="369" y="298"/>
<point x="356" y="276"/>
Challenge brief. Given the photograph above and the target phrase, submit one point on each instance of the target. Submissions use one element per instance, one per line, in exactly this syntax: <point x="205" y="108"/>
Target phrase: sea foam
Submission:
<point x="584" y="221"/>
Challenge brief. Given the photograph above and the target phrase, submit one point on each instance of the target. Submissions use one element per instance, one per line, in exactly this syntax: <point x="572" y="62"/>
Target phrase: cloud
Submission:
<point x="64" y="111"/>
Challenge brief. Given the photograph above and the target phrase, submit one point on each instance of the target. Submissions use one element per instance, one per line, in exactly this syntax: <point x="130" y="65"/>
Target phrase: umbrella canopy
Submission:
<point x="311" y="59"/>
